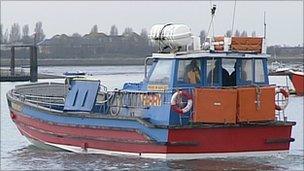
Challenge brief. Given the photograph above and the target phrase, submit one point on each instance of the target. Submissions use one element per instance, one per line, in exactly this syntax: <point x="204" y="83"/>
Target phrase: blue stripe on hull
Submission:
<point x="160" y="135"/>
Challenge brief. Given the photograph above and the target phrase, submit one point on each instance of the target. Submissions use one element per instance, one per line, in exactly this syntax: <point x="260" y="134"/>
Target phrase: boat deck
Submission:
<point x="41" y="94"/>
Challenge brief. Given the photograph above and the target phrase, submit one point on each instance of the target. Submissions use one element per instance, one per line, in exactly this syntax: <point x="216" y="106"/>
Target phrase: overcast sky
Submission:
<point x="284" y="19"/>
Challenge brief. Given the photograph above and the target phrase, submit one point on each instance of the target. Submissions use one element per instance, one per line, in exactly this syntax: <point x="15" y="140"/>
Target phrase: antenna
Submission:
<point x="232" y="27"/>
<point x="213" y="14"/>
<point x="264" y="25"/>
<point x="264" y="47"/>
<point x="213" y="9"/>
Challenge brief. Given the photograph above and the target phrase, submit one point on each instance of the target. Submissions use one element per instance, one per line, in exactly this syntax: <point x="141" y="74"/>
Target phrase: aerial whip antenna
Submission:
<point x="264" y="25"/>
<point x="232" y="27"/>
<point x="264" y="49"/>
<point x="213" y="14"/>
<point x="213" y="9"/>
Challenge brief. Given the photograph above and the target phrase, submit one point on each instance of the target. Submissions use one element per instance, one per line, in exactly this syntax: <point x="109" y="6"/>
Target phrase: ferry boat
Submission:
<point x="192" y="103"/>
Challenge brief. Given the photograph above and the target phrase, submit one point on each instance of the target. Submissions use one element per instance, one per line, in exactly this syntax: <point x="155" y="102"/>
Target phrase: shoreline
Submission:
<point x="76" y="62"/>
<point x="113" y="62"/>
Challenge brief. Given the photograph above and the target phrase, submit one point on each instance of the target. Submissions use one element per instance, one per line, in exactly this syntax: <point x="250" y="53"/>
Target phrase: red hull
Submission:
<point x="218" y="140"/>
<point x="106" y="139"/>
<point x="180" y="141"/>
<point x="298" y="83"/>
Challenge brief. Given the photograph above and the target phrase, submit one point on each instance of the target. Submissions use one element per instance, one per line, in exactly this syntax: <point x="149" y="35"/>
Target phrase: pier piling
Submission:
<point x="12" y="68"/>
<point x="33" y="65"/>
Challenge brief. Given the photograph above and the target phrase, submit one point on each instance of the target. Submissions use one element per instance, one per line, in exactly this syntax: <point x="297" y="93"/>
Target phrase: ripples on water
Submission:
<point x="30" y="157"/>
<point x="18" y="154"/>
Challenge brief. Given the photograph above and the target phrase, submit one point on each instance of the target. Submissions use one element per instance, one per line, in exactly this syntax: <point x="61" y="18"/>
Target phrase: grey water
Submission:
<point x="18" y="154"/>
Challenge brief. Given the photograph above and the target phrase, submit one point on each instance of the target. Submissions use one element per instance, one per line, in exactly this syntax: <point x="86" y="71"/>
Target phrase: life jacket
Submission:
<point x="193" y="77"/>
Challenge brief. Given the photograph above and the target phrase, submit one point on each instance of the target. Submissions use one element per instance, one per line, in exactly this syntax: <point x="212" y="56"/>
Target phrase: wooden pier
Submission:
<point x="12" y="75"/>
<point x="22" y="75"/>
<point x="15" y="74"/>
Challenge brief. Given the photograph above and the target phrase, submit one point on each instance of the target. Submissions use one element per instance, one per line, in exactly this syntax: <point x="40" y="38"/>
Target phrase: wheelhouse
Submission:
<point x="170" y="73"/>
<point x="174" y="71"/>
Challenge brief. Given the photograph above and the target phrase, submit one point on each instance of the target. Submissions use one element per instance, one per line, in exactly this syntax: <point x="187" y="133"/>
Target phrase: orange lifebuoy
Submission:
<point x="286" y="96"/>
<point x="175" y="105"/>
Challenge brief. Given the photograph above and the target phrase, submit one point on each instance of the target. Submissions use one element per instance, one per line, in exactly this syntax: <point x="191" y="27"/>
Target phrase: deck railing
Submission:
<point x="42" y="100"/>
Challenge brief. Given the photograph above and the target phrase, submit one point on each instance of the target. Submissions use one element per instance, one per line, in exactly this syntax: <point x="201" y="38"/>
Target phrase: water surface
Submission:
<point x="18" y="154"/>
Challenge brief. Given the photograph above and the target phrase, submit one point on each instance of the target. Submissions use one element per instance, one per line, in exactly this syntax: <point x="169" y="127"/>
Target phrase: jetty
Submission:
<point x="13" y="74"/>
<point x="22" y="74"/>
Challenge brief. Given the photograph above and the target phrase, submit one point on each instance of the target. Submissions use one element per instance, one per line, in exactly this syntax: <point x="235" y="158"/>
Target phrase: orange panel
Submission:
<point x="247" y="44"/>
<point x="219" y="38"/>
<point x="248" y="109"/>
<point x="215" y="105"/>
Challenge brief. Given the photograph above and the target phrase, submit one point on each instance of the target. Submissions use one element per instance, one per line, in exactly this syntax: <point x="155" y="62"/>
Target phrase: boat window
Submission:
<point x="213" y="71"/>
<point x="259" y="71"/>
<point x="216" y="73"/>
<point x="246" y="70"/>
<point x="189" y="71"/>
<point x="162" y="72"/>
<point x="229" y="65"/>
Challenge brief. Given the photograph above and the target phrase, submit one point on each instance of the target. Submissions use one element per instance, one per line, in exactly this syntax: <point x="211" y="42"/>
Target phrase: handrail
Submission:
<point x="45" y="97"/>
<point x="41" y="97"/>
<point x="41" y="102"/>
<point x="29" y="99"/>
<point x="37" y="96"/>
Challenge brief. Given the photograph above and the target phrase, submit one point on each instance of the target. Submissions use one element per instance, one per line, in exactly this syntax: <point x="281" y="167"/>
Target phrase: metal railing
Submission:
<point x="44" y="101"/>
<point x="137" y="99"/>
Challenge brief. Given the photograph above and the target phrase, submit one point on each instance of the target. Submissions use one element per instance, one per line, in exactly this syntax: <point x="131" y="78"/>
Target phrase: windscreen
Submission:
<point x="161" y="73"/>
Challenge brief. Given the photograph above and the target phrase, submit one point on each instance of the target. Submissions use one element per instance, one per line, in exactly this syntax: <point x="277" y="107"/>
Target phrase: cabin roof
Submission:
<point x="200" y="54"/>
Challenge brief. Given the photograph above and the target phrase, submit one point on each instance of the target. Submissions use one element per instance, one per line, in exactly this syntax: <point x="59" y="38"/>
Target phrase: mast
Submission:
<point x="232" y="25"/>
<point x="264" y="24"/>
<point x="264" y="47"/>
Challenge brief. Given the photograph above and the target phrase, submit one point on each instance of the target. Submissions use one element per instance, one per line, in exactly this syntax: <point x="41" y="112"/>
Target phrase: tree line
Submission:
<point x="98" y="45"/>
<point x="94" y="44"/>
<point x="16" y="35"/>
<point x="114" y="31"/>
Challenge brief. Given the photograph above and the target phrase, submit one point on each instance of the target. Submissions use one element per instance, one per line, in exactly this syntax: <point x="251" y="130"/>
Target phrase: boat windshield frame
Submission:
<point x="203" y="56"/>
